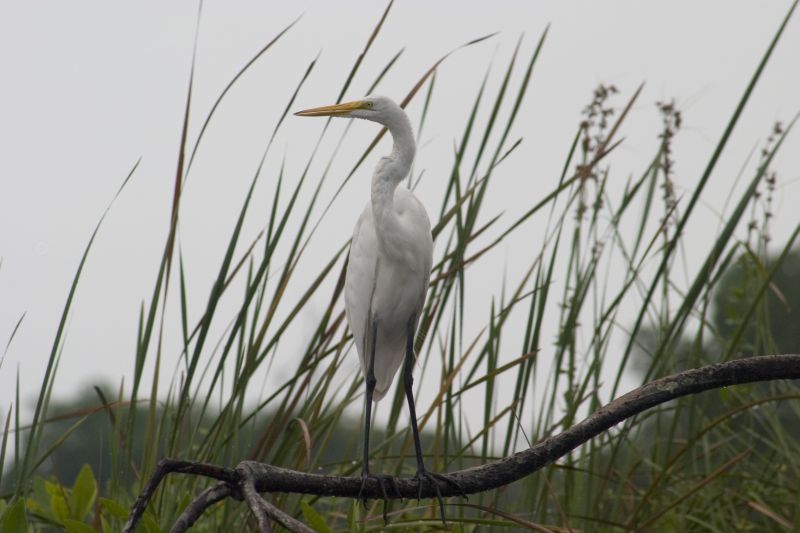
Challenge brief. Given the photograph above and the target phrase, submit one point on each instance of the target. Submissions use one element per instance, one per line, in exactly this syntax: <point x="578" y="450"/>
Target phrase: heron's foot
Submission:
<point x="384" y="481"/>
<point x="435" y="479"/>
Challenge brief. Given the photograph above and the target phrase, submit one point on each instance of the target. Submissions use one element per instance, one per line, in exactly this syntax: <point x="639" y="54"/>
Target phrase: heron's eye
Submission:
<point x="369" y="105"/>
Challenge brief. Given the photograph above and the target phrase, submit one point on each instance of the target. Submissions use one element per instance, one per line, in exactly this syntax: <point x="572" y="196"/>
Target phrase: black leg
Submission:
<point x="370" y="383"/>
<point x="382" y="479"/>
<point x="408" y="385"/>
<point x="408" y="381"/>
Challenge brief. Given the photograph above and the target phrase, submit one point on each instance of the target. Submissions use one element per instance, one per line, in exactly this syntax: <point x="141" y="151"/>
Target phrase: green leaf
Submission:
<point x="74" y="526"/>
<point x="39" y="501"/>
<point x="150" y="524"/>
<point x="58" y="506"/>
<point x="313" y="518"/>
<point x="52" y="489"/>
<point x="13" y="519"/>
<point x="84" y="493"/>
<point x="113" y="508"/>
<point x="32" y="506"/>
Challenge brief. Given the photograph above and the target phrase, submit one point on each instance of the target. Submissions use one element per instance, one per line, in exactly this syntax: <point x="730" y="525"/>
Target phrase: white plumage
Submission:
<point x="401" y="258"/>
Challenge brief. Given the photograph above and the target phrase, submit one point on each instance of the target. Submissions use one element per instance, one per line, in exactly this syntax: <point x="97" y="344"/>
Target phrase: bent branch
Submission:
<point x="268" y="478"/>
<point x="499" y="473"/>
<point x="213" y="494"/>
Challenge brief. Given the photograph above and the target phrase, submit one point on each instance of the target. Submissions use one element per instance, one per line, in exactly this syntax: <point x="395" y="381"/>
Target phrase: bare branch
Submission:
<point x="262" y="509"/>
<point x="167" y="466"/>
<point x="505" y="471"/>
<point x="251" y="477"/>
<point x="195" y="510"/>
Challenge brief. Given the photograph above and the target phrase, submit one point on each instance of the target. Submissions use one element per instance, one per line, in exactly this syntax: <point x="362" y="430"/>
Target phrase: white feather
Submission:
<point x="402" y="262"/>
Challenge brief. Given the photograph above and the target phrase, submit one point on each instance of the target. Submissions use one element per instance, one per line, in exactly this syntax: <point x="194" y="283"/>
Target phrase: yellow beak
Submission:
<point x="336" y="110"/>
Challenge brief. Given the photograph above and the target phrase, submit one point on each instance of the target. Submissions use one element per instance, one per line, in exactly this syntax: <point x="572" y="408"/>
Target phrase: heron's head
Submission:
<point x="375" y="108"/>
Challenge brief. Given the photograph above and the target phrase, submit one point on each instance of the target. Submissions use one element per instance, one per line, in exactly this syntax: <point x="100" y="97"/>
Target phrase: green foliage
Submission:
<point x="76" y="509"/>
<point x="724" y="460"/>
<point x="84" y="493"/>
<point x="73" y="526"/>
<point x="13" y="519"/>
<point x="313" y="518"/>
<point x="779" y="307"/>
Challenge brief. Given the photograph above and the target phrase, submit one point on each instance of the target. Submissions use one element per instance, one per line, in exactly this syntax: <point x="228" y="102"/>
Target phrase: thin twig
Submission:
<point x="203" y="501"/>
<point x="262" y="509"/>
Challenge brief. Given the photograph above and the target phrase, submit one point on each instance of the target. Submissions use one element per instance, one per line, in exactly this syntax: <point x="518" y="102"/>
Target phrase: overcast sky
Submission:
<point x="88" y="88"/>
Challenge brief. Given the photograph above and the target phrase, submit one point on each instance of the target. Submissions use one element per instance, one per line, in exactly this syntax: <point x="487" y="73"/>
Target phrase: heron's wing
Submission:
<point x="360" y="281"/>
<point x="387" y="278"/>
<point x="418" y="226"/>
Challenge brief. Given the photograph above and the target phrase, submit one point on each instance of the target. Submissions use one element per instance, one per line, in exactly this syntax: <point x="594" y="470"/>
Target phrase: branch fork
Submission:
<point x="251" y="478"/>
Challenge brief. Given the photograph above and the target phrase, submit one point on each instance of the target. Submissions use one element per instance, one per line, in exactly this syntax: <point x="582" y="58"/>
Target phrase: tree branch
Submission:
<point x="262" y="509"/>
<point x="168" y="466"/>
<point x="499" y="473"/>
<point x="268" y="478"/>
<point x="207" y="498"/>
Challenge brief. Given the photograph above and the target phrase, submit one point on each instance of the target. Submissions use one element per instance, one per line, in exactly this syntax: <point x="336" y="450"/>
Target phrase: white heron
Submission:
<point x="388" y="272"/>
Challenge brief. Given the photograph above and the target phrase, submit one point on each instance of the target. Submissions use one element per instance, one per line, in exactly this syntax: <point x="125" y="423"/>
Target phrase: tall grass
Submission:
<point x="722" y="461"/>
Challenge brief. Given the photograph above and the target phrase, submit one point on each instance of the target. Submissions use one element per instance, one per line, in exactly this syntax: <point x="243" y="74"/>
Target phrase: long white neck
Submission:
<point x="391" y="170"/>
